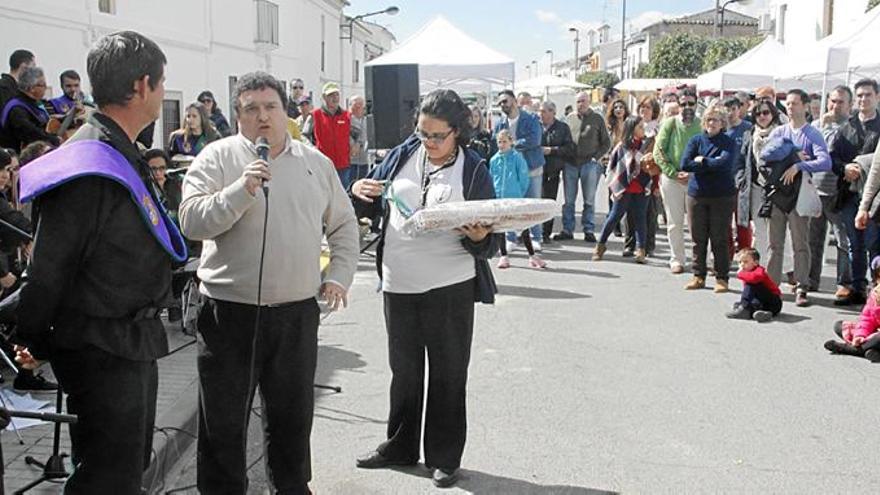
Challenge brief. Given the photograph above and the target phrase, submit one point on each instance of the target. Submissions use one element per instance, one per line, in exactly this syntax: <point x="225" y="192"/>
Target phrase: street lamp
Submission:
<point x="535" y="65"/>
<point x="623" y="43"/>
<point x="719" y="13"/>
<point x="577" y="40"/>
<point x="390" y="11"/>
<point x="550" y="52"/>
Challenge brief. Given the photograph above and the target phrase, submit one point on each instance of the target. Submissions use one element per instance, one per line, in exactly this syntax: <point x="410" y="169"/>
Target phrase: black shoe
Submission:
<point x="857" y="298"/>
<point x="589" y="237"/>
<point x="29" y="382"/>
<point x="375" y="460"/>
<point x="628" y="253"/>
<point x="837" y="347"/>
<point x="739" y="313"/>
<point x="546" y="239"/>
<point x="563" y="236"/>
<point x="872" y="355"/>
<point x="444" y="478"/>
<point x="762" y="316"/>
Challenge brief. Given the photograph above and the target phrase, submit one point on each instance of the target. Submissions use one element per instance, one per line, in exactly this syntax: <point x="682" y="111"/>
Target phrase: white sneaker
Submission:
<point x="537" y="246"/>
<point x="510" y="246"/>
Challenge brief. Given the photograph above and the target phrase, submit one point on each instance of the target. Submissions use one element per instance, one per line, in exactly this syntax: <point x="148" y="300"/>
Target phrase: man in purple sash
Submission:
<point x="18" y="61"/>
<point x="23" y="119"/>
<point x="71" y="97"/>
<point x="101" y="270"/>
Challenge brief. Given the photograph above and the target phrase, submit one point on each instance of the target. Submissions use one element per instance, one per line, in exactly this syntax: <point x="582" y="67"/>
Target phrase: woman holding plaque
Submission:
<point x="430" y="283"/>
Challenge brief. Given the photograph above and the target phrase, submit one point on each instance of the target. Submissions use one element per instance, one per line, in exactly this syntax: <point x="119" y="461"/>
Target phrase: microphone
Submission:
<point x="263" y="153"/>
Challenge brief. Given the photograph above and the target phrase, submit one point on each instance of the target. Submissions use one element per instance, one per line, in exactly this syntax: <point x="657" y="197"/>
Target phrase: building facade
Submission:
<point x="805" y="21"/>
<point x="208" y="43"/>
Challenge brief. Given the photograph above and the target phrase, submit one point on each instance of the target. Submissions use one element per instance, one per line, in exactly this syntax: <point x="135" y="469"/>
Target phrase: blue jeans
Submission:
<point x="635" y="206"/>
<point x="587" y="175"/>
<point x="535" y="191"/>
<point x="864" y="245"/>
<point x="358" y="172"/>
<point x="344" y="176"/>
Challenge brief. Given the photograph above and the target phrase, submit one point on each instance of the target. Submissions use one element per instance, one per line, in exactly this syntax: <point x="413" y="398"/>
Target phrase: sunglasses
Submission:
<point x="688" y="104"/>
<point x="764" y="113"/>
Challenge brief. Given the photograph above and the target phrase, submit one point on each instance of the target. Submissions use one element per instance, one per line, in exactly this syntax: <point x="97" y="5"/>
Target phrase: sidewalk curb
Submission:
<point x="175" y="432"/>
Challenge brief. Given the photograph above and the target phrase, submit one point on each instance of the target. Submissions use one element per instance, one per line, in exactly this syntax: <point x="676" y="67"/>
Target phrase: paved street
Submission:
<point x="608" y="377"/>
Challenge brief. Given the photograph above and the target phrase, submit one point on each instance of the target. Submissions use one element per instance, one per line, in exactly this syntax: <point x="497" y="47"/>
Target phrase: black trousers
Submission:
<point x="550" y="190"/>
<point x="710" y="222"/>
<point x="757" y="297"/>
<point x="650" y="231"/>
<point x="284" y="368"/>
<point x="115" y="401"/>
<point x="441" y="322"/>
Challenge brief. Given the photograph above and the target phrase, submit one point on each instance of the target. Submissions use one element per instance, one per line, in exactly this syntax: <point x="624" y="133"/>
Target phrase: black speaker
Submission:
<point x="392" y="96"/>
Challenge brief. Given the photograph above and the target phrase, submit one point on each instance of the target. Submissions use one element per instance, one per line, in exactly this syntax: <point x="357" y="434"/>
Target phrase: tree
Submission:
<point x="872" y="4"/>
<point x="678" y="55"/>
<point x="598" y="79"/>
<point x="723" y="50"/>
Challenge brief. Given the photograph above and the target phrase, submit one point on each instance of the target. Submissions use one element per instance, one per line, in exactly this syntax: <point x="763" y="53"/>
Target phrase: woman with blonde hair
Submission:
<point x="196" y="133"/>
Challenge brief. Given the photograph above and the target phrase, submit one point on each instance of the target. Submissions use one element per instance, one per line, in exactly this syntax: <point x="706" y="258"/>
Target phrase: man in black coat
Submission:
<point x="18" y="61"/>
<point x="559" y="149"/>
<point x="100" y="272"/>
<point x="24" y="117"/>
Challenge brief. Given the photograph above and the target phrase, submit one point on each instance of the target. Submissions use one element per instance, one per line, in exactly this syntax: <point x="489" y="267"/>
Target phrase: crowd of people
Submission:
<point x="744" y="173"/>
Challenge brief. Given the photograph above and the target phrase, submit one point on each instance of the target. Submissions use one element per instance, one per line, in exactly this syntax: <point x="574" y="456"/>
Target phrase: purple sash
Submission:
<point x="41" y="115"/>
<point x="92" y="157"/>
<point x="62" y="104"/>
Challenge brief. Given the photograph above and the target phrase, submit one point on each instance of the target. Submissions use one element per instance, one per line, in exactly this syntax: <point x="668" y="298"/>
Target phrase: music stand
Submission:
<point x="53" y="468"/>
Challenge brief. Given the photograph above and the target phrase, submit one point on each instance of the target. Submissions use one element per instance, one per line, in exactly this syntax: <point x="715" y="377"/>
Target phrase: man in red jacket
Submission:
<point x="331" y="128"/>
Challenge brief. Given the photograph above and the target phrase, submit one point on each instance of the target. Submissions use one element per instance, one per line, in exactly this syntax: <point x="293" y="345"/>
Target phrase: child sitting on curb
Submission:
<point x="761" y="298"/>
<point x="860" y="338"/>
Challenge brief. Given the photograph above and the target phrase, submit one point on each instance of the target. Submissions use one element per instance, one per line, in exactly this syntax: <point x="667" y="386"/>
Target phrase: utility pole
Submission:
<point x="623" y="43"/>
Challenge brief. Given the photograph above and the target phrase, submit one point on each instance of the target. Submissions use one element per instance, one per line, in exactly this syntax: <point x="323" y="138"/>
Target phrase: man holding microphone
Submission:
<point x="273" y="343"/>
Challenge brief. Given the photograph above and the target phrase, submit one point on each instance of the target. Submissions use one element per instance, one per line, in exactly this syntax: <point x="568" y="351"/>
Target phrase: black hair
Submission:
<point x="804" y="97"/>
<point x="208" y="94"/>
<point x="507" y="92"/>
<point x="120" y="59"/>
<point x="688" y="91"/>
<point x="5" y="157"/>
<point x="774" y="112"/>
<point x="255" y="81"/>
<point x="845" y="90"/>
<point x="750" y="252"/>
<point x="69" y="74"/>
<point x="732" y="101"/>
<point x="446" y="105"/>
<point x="867" y="82"/>
<point x="33" y="151"/>
<point x="629" y="128"/>
<point x="156" y="153"/>
<point x="20" y="57"/>
<point x="610" y="94"/>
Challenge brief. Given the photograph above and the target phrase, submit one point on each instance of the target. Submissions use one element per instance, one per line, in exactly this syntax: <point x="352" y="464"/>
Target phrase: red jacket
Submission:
<point x="331" y="133"/>
<point x="759" y="276"/>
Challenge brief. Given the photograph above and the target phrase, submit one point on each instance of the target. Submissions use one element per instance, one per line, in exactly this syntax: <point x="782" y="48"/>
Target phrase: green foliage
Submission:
<point x="723" y="50"/>
<point x="872" y="4"/>
<point x="677" y="56"/>
<point x="599" y="79"/>
<point x="685" y="55"/>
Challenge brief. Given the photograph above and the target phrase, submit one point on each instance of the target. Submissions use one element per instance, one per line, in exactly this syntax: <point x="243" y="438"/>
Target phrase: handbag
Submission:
<point x="808" y="202"/>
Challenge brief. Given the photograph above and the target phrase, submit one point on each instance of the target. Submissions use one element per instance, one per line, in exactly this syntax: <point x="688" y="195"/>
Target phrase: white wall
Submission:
<point x="803" y="21"/>
<point x="205" y="41"/>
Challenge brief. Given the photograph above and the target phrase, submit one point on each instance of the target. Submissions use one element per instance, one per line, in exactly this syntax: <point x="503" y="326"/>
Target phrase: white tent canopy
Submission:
<point x="647" y="85"/>
<point x="549" y="82"/>
<point x="750" y="70"/>
<point x="449" y="58"/>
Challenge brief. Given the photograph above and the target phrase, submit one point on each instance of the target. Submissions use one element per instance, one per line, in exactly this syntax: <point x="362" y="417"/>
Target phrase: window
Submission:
<point x="323" y="42"/>
<point x="233" y="118"/>
<point x="267" y="23"/>
<point x="356" y="75"/>
<point x="107" y="6"/>
<point x="827" y="18"/>
<point x="780" y="23"/>
<point x="170" y="118"/>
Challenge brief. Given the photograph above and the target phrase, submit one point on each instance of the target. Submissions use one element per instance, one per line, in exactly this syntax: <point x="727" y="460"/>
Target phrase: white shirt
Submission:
<point x="414" y="265"/>
<point x="511" y="123"/>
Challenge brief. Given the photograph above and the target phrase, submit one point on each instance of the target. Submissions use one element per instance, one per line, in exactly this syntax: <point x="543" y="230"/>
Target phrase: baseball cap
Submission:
<point x="329" y="88"/>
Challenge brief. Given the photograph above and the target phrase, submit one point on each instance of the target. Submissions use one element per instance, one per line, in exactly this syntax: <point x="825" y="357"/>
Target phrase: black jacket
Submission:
<point x="10" y="240"/>
<point x="477" y="185"/>
<point x="558" y="138"/>
<point x="481" y="143"/>
<point x="22" y="126"/>
<point x="854" y="138"/>
<point x="8" y="89"/>
<point x="95" y="267"/>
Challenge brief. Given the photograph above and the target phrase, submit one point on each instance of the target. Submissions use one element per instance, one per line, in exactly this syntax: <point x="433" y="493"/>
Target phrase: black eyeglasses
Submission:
<point x="688" y="103"/>
<point x="437" y="138"/>
<point x="764" y="113"/>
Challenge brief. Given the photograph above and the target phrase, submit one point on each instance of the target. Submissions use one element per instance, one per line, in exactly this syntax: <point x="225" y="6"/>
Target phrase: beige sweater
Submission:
<point x="306" y="201"/>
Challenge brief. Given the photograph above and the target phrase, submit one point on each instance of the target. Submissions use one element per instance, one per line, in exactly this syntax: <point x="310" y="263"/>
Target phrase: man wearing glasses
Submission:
<point x="23" y="119"/>
<point x="671" y="141"/>
<point x="297" y="94"/>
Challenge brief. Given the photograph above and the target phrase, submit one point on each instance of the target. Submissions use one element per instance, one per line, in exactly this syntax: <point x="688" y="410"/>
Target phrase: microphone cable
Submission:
<point x="262" y="151"/>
